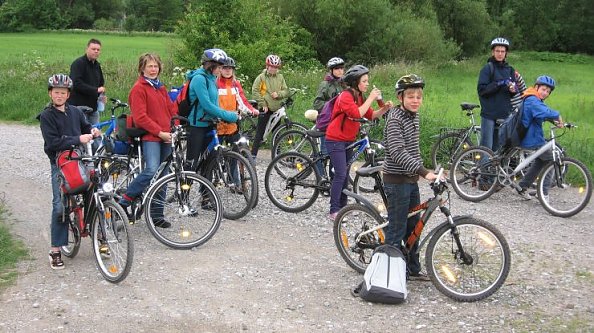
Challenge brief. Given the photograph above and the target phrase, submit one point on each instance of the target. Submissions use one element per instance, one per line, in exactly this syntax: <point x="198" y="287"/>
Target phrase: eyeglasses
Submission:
<point x="227" y="67"/>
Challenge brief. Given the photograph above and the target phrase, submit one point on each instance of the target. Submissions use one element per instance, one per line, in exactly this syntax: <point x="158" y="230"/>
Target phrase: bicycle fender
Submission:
<point x="363" y="201"/>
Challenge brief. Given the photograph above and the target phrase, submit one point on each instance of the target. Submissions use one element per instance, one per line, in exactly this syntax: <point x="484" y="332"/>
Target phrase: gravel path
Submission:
<point x="279" y="272"/>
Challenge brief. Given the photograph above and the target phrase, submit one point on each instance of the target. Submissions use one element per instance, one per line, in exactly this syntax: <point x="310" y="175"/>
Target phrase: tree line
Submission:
<point x="370" y="31"/>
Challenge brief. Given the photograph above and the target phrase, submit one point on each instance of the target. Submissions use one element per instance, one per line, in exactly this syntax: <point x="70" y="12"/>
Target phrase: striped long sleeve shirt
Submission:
<point x="403" y="163"/>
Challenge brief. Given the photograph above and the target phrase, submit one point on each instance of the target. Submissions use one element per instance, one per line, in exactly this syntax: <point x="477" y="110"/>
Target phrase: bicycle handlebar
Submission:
<point x="117" y="103"/>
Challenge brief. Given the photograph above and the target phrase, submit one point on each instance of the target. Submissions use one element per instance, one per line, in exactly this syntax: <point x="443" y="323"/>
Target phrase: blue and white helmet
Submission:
<point x="500" y="41"/>
<point x="216" y="55"/>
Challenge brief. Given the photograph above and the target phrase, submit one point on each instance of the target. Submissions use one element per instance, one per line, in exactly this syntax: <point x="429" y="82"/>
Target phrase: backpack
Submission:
<point x="182" y="101"/>
<point x="74" y="175"/>
<point x="512" y="131"/>
<point x="325" y="116"/>
<point x="385" y="277"/>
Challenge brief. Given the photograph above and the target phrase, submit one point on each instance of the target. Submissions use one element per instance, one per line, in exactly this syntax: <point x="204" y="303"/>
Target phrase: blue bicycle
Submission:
<point x="294" y="180"/>
<point x="110" y="142"/>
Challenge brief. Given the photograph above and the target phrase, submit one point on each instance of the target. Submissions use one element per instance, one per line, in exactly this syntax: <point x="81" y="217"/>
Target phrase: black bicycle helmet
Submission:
<point x="216" y="55"/>
<point x="352" y="75"/>
<point x="230" y="62"/>
<point x="409" y="81"/>
<point x="59" y="81"/>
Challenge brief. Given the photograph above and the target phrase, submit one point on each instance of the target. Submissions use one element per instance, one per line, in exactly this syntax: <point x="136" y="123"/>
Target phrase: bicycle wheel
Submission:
<point x="112" y="244"/>
<point x="283" y="127"/>
<point x="473" y="268"/>
<point x="447" y="147"/>
<point x="364" y="160"/>
<point x="71" y="250"/>
<point x="246" y="152"/>
<point x="564" y="188"/>
<point x="353" y="238"/>
<point x="473" y="174"/>
<point x="190" y="203"/>
<point x="120" y="174"/>
<point x="294" y="140"/>
<point x="248" y="127"/>
<point x="291" y="182"/>
<point x="235" y="180"/>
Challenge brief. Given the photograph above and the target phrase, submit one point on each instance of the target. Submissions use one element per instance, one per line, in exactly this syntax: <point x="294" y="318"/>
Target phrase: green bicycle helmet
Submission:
<point x="409" y="81"/>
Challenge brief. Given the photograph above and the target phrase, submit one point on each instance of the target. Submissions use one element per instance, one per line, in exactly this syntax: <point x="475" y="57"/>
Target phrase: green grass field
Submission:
<point x="27" y="59"/>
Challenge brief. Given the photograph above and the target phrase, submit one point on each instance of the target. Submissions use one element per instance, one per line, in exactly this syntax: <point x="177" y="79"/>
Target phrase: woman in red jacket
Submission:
<point x="152" y="110"/>
<point x="342" y="131"/>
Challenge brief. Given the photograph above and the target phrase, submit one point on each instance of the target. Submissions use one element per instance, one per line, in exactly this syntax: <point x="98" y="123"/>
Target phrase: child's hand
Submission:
<point x="274" y="94"/>
<point x="85" y="138"/>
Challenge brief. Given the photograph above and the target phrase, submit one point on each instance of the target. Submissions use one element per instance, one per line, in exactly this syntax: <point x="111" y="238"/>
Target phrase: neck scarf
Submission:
<point x="155" y="83"/>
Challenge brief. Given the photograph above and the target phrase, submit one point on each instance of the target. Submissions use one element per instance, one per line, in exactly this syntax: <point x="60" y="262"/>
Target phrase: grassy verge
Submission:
<point x="26" y="60"/>
<point x="12" y="251"/>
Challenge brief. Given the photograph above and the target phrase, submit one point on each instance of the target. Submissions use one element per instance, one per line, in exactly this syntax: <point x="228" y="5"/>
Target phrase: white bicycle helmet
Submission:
<point x="500" y="41"/>
<point x="311" y="115"/>
<point x="59" y="81"/>
<point x="273" y="60"/>
<point x="335" y="62"/>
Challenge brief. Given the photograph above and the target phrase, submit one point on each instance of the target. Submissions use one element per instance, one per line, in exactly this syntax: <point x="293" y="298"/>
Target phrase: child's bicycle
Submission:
<point x="451" y="141"/>
<point x="278" y="123"/>
<point x="467" y="259"/>
<point x="96" y="213"/>
<point x="564" y="185"/>
<point x="294" y="181"/>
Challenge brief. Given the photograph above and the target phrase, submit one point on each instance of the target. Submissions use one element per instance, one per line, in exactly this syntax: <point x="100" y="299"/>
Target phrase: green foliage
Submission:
<point x="24" y="15"/>
<point x="153" y="15"/>
<point x="12" y="251"/>
<point x="246" y="30"/>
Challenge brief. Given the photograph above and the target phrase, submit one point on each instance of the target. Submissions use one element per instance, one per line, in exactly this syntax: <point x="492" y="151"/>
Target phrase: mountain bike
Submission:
<point x="308" y="143"/>
<point x="294" y="181"/>
<point x="467" y="259"/>
<point x="278" y="123"/>
<point x="564" y="185"/>
<point x="95" y="213"/>
<point x="451" y="141"/>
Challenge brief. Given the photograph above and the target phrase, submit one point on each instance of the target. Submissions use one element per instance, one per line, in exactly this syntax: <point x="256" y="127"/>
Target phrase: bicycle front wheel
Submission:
<point x="447" y="147"/>
<point x="564" y="188"/>
<point x="112" y="244"/>
<point x="189" y="203"/>
<point x="356" y="235"/>
<point x="291" y="182"/>
<point x="468" y="261"/>
<point x="473" y="174"/>
<point x="235" y="180"/>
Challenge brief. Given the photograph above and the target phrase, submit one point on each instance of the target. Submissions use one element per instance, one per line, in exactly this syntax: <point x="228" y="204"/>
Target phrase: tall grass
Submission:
<point x="12" y="250"/>
<point x="27" y="59"/>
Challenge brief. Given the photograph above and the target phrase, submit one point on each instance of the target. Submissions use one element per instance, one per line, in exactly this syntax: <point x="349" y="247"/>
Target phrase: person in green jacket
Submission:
<point x="269" y="89"/>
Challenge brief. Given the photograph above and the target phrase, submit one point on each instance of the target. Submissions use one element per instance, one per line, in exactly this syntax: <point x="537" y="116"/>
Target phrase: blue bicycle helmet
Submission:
<point x="216" y="55"/>
<point x="545" y="80"/>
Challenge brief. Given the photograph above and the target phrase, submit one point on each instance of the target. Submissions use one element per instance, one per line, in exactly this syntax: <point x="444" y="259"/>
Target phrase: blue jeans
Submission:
<point x="154" y="153"/>
<point x="401" y="198"/>
<point x="58" y="229"/>
<point x="489" y="134"/>
<point x="339" y="157"/>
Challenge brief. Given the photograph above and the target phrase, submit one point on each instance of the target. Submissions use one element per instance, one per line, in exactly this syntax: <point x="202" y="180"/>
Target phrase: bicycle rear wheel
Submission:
<point x="473" y="174"/>
<point x="356" y="249"/>
<point x="284" y="127"/>
<point x="294" y="140"/>
<point x="71" y="250"/>
<point x="112" y="244"/>
<point x="291" y="182"/>
<point x="190" y="203"/>
<point x="564" y="188"/>
<point x="245" y="152"/>
<point x="447" y="147"/>
<point x="235" y="180"/>
<point x="472" y="270"/>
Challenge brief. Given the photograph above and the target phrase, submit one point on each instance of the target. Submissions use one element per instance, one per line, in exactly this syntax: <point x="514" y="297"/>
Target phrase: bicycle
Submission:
<point x="292" y="170"/>
<point x="467" y="259"/>
<point x="451" y="141"/>
<point x="95" y="213"/>
<point x="563" y="188"/>
<point x="279" y="122"/>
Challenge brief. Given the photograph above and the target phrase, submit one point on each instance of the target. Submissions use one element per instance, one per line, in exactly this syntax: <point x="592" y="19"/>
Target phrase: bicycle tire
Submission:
<point x="350" y="222"/>
<point x="247" y="153"/>
<point x="291" y="182"/>
<point x="71" y="250"/>
<point x="195" y="212"/>
<point x="447" y="147"/>
<point x="283" y="127"/>
<point x="568" y="187"/>
<point x="112" y="231"/>
<point x="489" y="266"/>
<point x="120" y="174"/>
<point x="237" y="192"/>
<point x="473" y="175"/>
<point x="294" y="140"/>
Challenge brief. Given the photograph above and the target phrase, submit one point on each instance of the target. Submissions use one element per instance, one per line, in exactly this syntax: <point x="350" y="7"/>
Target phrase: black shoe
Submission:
<point x="418" y="277"/>
<point x="161" y="223"/>
<point x="207" y="205"/>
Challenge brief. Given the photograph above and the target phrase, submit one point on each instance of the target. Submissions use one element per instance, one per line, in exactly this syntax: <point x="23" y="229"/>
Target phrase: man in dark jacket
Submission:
<point x="496" y="86"/>
<point x="88" y="82"/>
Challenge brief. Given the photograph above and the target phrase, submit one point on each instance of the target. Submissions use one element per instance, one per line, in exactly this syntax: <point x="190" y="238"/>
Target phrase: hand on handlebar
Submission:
<point x="85" y="138"/>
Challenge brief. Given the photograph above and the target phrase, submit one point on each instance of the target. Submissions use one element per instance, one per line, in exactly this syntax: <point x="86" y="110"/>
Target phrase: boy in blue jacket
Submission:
<point x="535" y="113"/>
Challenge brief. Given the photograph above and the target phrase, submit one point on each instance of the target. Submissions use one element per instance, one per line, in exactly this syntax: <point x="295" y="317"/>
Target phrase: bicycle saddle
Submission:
<point x="368" y="171"/>
<point x="315" y="133"/>
<point x="469" y="106"/>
